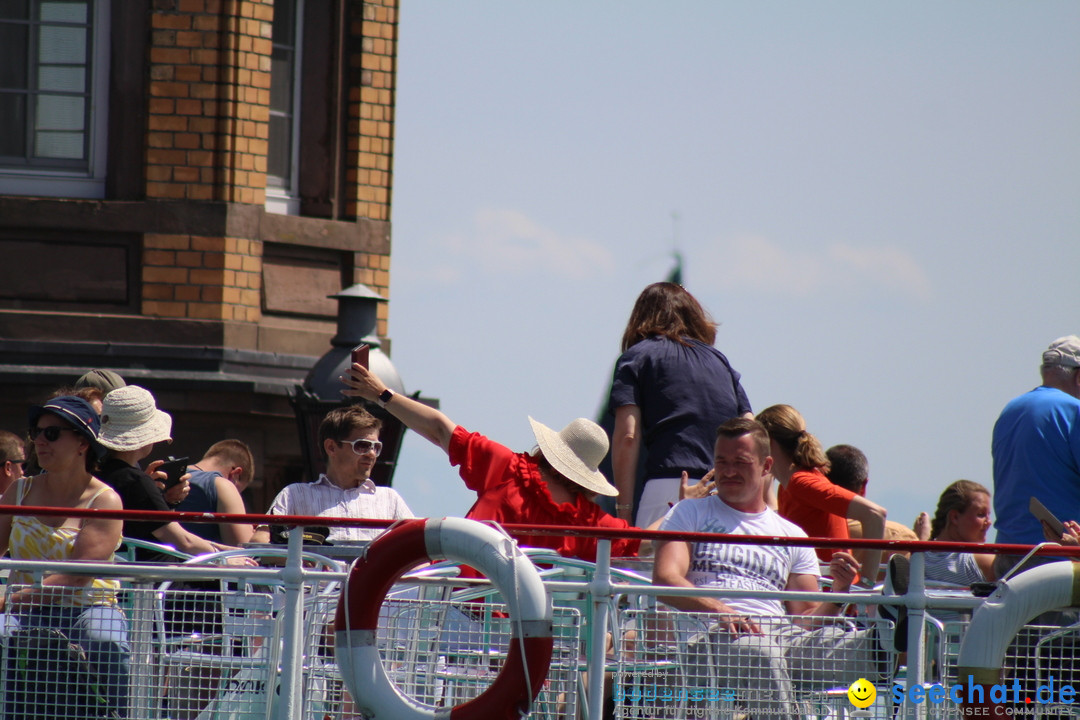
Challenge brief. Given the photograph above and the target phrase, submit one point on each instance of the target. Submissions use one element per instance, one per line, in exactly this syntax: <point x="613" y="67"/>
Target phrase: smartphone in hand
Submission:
<point x="174" y="469"/>
<point x="1039" y="510"/>
<point x="360" y="354"/>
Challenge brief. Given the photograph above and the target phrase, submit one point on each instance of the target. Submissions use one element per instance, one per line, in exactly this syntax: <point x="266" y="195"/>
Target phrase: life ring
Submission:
<point x="493" y="554"/>
<point x="1011" y="606"/>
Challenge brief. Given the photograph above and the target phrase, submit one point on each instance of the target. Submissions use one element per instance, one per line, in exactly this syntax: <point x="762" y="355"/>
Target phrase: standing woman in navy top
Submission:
<point x="671" y="390"/>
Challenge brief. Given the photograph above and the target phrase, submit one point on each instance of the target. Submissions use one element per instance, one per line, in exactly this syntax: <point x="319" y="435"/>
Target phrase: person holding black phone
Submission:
<point x="131" y="424"/>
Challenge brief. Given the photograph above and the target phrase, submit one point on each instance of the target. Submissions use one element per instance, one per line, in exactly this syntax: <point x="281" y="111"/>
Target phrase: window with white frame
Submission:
<point x="284" y="131"/>
<point x="53" y="97"/>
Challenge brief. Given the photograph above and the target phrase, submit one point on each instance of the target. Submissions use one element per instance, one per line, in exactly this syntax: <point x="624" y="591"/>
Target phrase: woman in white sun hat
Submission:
<point x="131" y="425"/>
<point x="553" y="485"/>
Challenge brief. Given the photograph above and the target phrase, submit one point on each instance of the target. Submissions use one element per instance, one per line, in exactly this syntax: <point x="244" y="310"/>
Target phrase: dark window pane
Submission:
<point x="13" y="40"/>
<point x="278" y="154"/>
<point x="15" y="9"/>
<point x="12" y="125"/>
<point x="281" y="81"/>
<point x="284" y="25"/>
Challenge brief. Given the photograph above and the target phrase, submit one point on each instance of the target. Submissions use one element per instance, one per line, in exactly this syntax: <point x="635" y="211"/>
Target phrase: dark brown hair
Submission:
<point x="668" y="310"/>
<point x="849" y="467"/>
<point x="786" y="426"/>
<point x="737" y="427"/>
<point x="342" y="422"/>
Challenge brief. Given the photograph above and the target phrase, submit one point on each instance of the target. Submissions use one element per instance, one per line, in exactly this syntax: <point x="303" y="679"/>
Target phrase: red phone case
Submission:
<point x="360" y="354"/>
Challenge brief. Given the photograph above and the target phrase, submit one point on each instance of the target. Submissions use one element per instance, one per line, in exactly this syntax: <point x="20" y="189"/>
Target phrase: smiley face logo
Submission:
<point x="862" y="693"/>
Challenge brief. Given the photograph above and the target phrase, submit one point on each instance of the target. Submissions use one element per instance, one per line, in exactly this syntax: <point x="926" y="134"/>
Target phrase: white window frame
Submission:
<point x="286" y="200"/>
<point x="87" y="184"/>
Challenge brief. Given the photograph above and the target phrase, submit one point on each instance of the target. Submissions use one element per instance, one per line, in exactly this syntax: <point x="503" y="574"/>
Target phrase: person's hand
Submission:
<point x="361" y="382"/>
<point x="703" y="488"/>
<point x="178" y="492"/>
<point x="735" y="623"/>
<point x="241" y="561"/>
<point x="922" y="526"/>
<point x="1071" y="536"/>
<point x="843" y="568"/>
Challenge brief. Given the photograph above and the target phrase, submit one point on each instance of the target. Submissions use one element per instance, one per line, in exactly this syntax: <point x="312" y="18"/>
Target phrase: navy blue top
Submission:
<point x="684" y="392"/>
<point x="203" y="497"/>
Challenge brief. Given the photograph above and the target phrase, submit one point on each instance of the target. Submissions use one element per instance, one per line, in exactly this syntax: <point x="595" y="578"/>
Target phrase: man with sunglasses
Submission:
<point x="349" y="440"/>
<point x="12" y="458"/>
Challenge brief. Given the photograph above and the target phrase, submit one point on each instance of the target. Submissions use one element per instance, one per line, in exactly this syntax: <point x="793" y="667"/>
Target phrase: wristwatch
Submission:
<point x="385" y="396"/>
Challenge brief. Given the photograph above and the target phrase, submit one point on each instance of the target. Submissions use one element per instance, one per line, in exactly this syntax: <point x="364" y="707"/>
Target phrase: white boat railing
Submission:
<point x="256" y="644"/>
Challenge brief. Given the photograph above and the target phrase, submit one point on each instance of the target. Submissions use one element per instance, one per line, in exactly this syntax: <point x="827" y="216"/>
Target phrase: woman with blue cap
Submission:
<point x="65" y="436"/>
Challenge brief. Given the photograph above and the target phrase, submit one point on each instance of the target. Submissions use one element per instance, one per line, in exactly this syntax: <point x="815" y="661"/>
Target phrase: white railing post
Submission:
<point x="916" y="648"/>
<point x="600" y="591"/>
<point x="289" y="703"/>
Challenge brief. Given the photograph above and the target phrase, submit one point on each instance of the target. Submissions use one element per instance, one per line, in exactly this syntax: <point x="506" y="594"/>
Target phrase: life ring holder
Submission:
<point x="498" y="558"/>
<point x="1014" y="603"/>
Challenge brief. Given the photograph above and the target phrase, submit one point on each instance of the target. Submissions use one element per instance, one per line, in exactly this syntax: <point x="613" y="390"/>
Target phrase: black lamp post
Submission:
<point x="321" y="391"/>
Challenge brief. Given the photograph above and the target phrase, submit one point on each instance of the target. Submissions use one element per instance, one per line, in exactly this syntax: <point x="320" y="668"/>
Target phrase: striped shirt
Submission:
<point x="325" y="499"/>
<point x="953" y="567"/>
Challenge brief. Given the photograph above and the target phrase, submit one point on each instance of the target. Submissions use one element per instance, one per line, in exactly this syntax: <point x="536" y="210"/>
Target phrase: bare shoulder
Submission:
<point x="105" y="498"/>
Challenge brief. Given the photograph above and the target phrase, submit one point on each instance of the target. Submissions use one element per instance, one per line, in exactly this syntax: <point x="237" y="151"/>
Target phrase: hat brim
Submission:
<point x="563" y="459"/>
<point x="133" y="437"/>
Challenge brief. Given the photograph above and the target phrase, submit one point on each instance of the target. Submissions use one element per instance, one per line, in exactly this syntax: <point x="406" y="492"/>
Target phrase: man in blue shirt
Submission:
<point x="1036" y="451"/>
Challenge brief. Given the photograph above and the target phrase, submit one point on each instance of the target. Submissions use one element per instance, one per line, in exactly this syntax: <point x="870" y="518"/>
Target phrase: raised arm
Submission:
<point x="427" y="421"/>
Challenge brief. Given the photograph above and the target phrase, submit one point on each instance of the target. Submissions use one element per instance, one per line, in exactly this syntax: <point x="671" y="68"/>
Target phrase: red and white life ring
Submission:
<point x="485" y="549"/>
<point x="1011" y="606"/>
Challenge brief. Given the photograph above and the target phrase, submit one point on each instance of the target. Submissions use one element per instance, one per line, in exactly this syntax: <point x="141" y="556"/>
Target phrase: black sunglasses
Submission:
<point x="52" y="433"/>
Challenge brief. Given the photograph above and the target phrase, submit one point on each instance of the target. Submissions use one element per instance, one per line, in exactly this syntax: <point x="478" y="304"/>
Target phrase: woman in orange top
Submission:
<point x="807" y="497"/>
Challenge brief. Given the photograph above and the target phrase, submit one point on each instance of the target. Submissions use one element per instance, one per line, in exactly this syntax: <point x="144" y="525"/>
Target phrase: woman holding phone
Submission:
<point x="131" y="425"/>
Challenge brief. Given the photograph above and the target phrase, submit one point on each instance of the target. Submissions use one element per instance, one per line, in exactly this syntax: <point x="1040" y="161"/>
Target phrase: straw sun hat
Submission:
<point x="576" y="451"/>
<point x="130" y="420"/>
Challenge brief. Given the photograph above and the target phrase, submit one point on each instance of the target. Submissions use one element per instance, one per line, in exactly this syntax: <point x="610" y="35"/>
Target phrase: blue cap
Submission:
<point x="76" y="412"/>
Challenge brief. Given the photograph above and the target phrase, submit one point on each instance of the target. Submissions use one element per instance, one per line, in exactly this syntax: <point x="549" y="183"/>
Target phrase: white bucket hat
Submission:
<point x="576" y="451"/>
<point x="130" y="420"/>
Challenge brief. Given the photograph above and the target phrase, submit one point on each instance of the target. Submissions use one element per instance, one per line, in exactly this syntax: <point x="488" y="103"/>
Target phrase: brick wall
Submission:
<point x="208" y="122"/>
<point x="371" y="107"/>
<point x="204" y="278"/>
<point x="209" y="100"/>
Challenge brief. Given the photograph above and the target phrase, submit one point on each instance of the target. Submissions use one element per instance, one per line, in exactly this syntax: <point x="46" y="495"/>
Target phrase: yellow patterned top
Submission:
<point x="32" y="539"/>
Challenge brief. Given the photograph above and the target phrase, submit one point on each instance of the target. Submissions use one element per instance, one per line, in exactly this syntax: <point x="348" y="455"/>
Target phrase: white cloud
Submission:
<point x="757" y="263"/>
<point x="890" y="267"/>
<point x="507" y="242"/>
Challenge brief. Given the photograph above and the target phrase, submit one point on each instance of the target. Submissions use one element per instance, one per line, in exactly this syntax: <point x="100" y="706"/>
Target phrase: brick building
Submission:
<point x="182" y="183"/>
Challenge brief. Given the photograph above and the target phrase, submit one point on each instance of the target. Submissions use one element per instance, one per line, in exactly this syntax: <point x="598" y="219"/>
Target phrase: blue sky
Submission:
<point x="879" y="202"/>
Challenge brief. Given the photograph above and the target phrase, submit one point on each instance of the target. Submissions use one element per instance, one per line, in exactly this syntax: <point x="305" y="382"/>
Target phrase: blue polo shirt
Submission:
<point x="1036" y="449"/>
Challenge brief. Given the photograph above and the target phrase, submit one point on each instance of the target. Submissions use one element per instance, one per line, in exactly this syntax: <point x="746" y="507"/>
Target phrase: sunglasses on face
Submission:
<point x="362" y="447"/>
<point x="51" y="433"/>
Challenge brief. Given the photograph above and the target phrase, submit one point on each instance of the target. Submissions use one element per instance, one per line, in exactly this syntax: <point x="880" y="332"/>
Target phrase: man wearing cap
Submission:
<point x="104" y="380"/>
<point x="552" y="486"/>
<point x="1036" y="450"/>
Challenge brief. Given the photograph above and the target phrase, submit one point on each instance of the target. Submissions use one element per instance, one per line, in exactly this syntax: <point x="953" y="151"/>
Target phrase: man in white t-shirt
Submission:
<point x="762" y="648"/>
